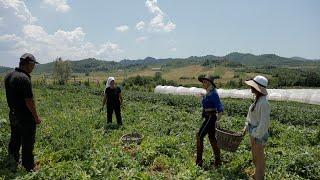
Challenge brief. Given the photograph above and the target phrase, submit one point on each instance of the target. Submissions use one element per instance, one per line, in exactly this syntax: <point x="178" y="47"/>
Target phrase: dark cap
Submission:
<point x="208" y="78"/>
<point x="27" y="57"/>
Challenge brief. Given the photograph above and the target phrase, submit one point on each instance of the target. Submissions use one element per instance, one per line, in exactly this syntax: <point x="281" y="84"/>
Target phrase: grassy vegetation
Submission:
<point x="186" y="76"/>
<point x="74" y="143"/>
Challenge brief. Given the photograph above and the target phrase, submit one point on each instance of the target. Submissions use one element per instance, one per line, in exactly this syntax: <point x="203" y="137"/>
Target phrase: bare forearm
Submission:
<point x="32" y="107"/>
<point x="104" y="101"/>
<point x="219" y="115"/>
<point x="121" y="98"/>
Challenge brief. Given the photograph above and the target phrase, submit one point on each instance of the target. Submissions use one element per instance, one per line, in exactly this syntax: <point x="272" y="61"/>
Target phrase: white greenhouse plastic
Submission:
<point x="309" y="96"/>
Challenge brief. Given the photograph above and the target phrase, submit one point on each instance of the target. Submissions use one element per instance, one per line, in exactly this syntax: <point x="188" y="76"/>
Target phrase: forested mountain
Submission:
<point x="4" y="69"/>
<point x="233" y="59"/>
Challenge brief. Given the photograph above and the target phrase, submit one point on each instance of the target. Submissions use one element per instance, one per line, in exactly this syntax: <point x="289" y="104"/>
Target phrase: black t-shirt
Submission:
<point x="113" y="97"/>
<point x="18" y="88"/>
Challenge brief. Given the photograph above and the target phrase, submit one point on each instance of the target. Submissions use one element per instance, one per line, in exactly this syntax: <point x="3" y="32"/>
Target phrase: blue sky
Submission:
<point x="133" y="29"/>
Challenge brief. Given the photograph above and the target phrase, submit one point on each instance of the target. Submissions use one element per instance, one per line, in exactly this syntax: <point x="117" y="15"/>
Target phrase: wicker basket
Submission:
<point x="132" y="138"/>
<point x="228" y="140"/>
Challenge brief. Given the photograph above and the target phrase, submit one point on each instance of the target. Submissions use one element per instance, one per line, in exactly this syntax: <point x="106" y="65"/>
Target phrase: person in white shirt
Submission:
<point x="258" y="123"/>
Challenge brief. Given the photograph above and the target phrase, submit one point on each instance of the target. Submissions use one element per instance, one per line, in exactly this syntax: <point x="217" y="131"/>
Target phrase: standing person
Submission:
<point x="258" y="123"/>
<point x="113" y="99"/>
<point x="212" y="112"/>
<point x="23" y="114"/>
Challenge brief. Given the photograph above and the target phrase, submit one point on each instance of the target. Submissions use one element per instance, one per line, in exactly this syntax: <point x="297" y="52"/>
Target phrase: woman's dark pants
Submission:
<point x="208" y="127"/>
<point x="117" y="109"/>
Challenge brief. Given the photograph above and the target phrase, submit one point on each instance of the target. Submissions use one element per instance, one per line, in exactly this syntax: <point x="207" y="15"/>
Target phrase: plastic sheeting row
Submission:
<point x="309" y="96"/>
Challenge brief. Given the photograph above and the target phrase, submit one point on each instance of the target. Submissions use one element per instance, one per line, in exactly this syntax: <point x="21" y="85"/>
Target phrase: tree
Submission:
<point x="61" y="71"/>
<point x="158" y="76"/>
<point x="312" y="79"/>
<point x="240" y="83"/>
<point x="206" y="63"/>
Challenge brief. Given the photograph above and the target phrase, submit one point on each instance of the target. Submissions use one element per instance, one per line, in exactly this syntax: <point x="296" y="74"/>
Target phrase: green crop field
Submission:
<point x="73" y="141"/>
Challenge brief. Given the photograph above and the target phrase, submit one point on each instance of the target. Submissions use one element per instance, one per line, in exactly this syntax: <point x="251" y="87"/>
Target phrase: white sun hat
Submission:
<point x="260" y="83"/>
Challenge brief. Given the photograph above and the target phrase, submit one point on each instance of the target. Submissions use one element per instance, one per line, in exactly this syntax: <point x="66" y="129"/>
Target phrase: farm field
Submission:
<point x="73" y="141"/>
<point x="185" y="75"/>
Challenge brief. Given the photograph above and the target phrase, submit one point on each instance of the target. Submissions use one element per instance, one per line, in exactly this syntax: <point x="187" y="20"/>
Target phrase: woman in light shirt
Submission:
<point x="258" y="123"/>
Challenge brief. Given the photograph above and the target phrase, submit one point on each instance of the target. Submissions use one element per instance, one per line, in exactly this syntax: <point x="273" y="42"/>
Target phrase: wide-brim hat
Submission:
<point x="259" y="83"/>
<point x="208" y="78"/>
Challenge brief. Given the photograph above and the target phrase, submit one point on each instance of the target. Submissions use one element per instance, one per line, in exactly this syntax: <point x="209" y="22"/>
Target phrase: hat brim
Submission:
<point x="32" y="61"/>
<point x="203" y="78"/>
<point x="257" y="87"/>
<point x="35" y="62"/>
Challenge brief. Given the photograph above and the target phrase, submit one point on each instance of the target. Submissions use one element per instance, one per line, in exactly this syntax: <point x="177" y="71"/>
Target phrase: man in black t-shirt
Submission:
<point x="23" y="114"/>
<point x="113" y="99"/>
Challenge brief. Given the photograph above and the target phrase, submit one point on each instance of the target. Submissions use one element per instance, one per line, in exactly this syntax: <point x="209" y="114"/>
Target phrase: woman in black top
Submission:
<point x="113" y="99"/>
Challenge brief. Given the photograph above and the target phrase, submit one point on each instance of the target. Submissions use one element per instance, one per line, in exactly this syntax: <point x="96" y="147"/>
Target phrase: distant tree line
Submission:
<point x="146" y="83"/>
<point x="289" y="77"/>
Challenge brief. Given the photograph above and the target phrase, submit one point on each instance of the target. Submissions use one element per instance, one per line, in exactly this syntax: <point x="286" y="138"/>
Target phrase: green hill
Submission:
<point x="85" y="65"/>
<point x="265" y="59"/>
<point x="4" y="69"/>
<point x="233" y="59"/>
<point x="93" y="65"/>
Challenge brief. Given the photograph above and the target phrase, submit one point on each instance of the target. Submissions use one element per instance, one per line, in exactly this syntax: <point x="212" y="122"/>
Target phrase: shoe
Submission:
<point x="217" y="163"/>
<point x="199" y="163"/>
<point x="36" y="167"/>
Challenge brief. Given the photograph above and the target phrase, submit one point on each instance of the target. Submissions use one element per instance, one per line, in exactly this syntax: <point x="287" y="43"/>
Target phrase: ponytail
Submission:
<point x="256" y="101"/>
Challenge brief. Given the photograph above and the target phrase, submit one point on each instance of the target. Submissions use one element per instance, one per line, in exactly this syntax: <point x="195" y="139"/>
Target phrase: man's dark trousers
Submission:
<point x="22" y="135"/>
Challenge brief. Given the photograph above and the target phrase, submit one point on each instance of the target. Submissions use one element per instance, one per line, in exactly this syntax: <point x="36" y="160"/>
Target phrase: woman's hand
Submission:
<point x="102" y="108"/>
<point x="244" y="131"/>
<point x="217" y="124"/>
<point x="252" y="140"/>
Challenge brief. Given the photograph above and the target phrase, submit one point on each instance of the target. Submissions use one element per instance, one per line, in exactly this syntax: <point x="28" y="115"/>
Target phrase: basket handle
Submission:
<point x="134" y="131"/>
<point x="243" y="133"/>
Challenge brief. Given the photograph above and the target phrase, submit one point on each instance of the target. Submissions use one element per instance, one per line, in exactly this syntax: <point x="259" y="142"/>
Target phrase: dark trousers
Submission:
<point x="22" y="135"/>
<point x="117" y="109"/>
<point x="208" y="127"/>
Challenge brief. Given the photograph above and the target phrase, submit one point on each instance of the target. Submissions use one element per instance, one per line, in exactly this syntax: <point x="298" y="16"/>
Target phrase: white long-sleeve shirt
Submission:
<point x="259" y="117"/>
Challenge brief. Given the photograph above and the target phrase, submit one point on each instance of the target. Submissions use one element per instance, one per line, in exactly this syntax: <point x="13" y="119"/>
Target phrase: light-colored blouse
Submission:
<point x="259" y="118"/>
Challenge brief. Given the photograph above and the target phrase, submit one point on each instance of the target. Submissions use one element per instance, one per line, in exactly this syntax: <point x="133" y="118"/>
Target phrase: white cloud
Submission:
<point x="122" y="28"/>
<point x="35" y="33"/>
<point x="153" y="6"/>
<point x="1" y="21"/>
<point x="67" y="44"/>
<point x="20" y="34"/>
<point x="9" y="37"/>
<point x="60" y="5"/>
<point x="157" y="22"/>
<point x="141" y="39"/>
<point x="108" y="48"/>
<point x="169" y="27"/>
<point x="16" y="8"/>
<point x="160" y="22"/>
<point x="173" y="49"/>
<point x="140" y="25"/>
<point x="172" y="42"/>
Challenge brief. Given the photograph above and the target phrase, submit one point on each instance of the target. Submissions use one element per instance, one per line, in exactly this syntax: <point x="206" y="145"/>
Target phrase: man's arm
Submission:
<point x="104" y="101"/>
<point x="32" y="107"/>
<point x="121" y="98"/>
